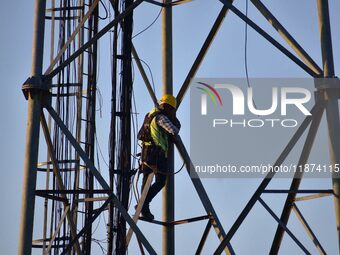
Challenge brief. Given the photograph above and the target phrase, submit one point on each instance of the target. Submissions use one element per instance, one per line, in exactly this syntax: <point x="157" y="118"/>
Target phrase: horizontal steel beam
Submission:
<point x="276" y="191"/>
<point x="178" y="222"/>
<point x="81" y="191"/>
<point x="55" y="198"/>
<point x="304" y="198"/>
<point x="189" y="220"/>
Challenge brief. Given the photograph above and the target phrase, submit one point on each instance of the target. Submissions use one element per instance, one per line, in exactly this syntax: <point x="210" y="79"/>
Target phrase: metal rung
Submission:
<point x="40" y="169"/>
<point x="89" y="121"/>
<point x="153" y="221"/>
<point x="53" y="246"/>
<point x="327" y="191"/>
<point x="76" y="161"/>
<point x="62" y="18"/>
<point x="65" y="94"/>
<point x="189" y="220"/>
<point x="177" y="222"/>
<point x="38" y="241"/>
<point x="304" y="198"/>
<point x="79" y="191"/>
<point x="52" y="197"/>
<point x="67" y="8"/>
<point x="65" y="85"/>
<point x="92" y="199"/>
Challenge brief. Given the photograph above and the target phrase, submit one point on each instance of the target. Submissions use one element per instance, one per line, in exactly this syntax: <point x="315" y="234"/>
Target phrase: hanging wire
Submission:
<point x="246" y="52"/>
<point x="132" y="117"/>
<point x="98" y="242"/>
<point x="100" y="101"/>
<point x="246" y="46"/>
<point x="106" y="11"/>
<point x="151" y="74"/>
<point x="100" y="151"/>
<point x="170" y="174"/>
<point x="151" y="24"/>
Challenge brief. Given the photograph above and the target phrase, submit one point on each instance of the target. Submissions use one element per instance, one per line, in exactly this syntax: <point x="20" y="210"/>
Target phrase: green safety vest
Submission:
<point x="159" y="136"/>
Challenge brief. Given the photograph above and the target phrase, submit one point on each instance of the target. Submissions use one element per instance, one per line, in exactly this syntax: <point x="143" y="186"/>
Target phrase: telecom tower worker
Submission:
<point x="159" y="126"/>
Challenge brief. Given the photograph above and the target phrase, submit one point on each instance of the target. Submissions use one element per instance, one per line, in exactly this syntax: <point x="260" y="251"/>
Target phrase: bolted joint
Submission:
<point x="327" y="88"/>
<point x="325" y="83"/>
<point x="36" y="84"/>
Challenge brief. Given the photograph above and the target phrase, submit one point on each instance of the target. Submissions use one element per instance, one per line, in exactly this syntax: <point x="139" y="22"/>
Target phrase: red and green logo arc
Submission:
<point x="211" y="92"/>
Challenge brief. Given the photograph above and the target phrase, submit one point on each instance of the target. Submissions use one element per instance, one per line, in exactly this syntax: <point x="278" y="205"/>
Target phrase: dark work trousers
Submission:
<point x="155" y="158"/>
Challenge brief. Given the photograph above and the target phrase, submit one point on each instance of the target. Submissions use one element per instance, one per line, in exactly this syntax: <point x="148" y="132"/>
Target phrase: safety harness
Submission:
<point x="144" y="134"/>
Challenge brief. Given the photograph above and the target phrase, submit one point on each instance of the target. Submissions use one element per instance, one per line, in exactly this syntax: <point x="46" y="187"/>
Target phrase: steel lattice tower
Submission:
<point x="67" y="93"/>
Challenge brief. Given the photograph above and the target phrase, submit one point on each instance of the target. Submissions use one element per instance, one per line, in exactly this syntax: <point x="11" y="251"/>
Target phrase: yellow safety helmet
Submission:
<point x="168" y="99"/>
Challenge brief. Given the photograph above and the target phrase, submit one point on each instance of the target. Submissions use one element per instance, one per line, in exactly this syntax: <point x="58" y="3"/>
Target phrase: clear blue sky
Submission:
<point x="191" y="23"/>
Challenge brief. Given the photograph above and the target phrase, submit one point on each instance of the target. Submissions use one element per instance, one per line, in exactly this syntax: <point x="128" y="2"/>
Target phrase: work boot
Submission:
<point x="146" y="212"/>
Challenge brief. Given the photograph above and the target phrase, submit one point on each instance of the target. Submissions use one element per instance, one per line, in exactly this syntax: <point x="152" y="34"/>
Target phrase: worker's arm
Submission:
<point x="164" y="122"/>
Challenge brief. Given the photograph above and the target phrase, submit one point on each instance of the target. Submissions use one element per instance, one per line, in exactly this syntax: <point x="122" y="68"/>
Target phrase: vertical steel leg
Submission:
<point x="332" y="107"/>
<point x="32" y="135"/>
<point x="169" y="189"/>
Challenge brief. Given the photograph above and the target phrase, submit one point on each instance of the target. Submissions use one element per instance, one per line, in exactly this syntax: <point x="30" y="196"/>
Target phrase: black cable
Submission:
<point x="246" y="47"/>
<point x="106" y="12"/>
<point x="246" y="53"/>
<point x="153" y="22"/>
<point x="100" y="150"/>
<point x="166" y="173"/>
<point x="133" y="110"/>
<point x="134" y="125"/>
<point x="151" y="74"/>
<point x="100" y="101"/>
<point x="98" y="242"/>
<point x="170" y="174"/>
